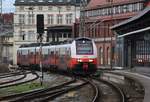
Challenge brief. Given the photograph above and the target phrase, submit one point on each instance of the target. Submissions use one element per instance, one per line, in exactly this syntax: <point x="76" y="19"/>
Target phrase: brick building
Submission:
<point x="100" y="16"/>
<point x="7" y="18"/>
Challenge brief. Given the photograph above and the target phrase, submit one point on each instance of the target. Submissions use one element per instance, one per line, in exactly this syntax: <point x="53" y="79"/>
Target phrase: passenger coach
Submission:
<point x="76" y="56"/>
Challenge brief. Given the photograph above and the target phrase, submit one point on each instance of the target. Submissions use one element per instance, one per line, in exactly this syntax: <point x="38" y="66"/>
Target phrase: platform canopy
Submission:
<point x="137" y="24"/>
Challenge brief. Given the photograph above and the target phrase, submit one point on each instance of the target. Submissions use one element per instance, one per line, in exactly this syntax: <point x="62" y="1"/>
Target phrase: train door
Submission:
<point x="32" y="56"/>
<point x="45" y="57"/>
<point x="52" y="57"/>
<point x="62" y="58"/>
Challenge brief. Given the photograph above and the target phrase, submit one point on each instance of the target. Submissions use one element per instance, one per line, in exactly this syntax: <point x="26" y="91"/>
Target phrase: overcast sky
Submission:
<point x="8" y="5"/>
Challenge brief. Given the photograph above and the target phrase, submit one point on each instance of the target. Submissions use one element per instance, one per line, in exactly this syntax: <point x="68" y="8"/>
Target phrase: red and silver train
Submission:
<point x="76" y="56"/>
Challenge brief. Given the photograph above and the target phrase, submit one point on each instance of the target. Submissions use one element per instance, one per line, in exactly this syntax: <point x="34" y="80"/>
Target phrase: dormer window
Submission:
<point x="31" y="0"/>
<point x="50" y="0"/>
<point x="60" y="0"/>
<point x="21" y="0"/>
<point x="40" y="1"/>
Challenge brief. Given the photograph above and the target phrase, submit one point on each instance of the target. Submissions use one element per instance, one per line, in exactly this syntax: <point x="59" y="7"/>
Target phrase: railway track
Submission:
<point x="48" y="94"/>
<point x="44" y="94"/>
<point x="95" y="89"/>
<point x="109" y="92"/>
<point x="103" y="90"/>
<point x="5" y="75"/>
<point x="18" y="81"/>
<point x="132" y="88"/>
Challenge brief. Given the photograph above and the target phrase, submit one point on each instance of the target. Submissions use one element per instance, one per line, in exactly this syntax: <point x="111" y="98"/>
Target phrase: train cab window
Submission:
<point x="31" y="51"/>
<point x="84" y="47"/>
<point x="62" y="51"/>
<point x="45" y="52"/>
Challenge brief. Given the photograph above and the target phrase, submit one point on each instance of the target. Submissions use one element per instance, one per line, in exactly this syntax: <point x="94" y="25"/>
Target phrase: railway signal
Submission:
<point x="40" y="31"/>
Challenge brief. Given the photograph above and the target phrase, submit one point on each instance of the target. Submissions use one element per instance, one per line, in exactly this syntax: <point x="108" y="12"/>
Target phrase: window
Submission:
<point x="101" y="55"/>
<point x="30" y="35"/>
<point x="40" y="1"/>
<point x="108" y="55"/>
<point x="50" y="8"/>
<point x="60" y="0"/>
<point x="21" y="8"/>
<point x="64" y="35"/>
<point x="50" y="19"/>
<point x="50" y="0"/>
<point x="130" y="8"/>
<point x="31" y="0"/>
<point x="59" y="19"/>
<point x="30" y="19"/>
<point x="69" y="18"/>
<point x="21" y="18"/>
<point x="21" y="0"/>
<point x="125" y="8"/>
<point x="22" y="35"/>
<point x="84" y="47"/>
<point x="59" y="9"/>
<point x="40" y="8"/>
<point x="140" y="6"/>
<point x="68" y="8"/>
<point x="68" y="0"/>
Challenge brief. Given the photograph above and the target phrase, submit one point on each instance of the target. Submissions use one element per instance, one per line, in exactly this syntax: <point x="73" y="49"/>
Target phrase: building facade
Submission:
<point x="100" y="16"/>
<point x="6" y="38"/>
<point x="56" y="13"/>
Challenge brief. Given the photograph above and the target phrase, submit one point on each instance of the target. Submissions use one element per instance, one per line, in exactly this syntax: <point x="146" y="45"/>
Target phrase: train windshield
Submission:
<point x="84" y="47"/>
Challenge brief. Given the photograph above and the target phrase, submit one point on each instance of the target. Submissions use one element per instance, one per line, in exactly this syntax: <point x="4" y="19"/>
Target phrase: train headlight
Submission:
<point x="140" y="60"/>
<point x="90" y="60"/>
<point x="79" y="60"/>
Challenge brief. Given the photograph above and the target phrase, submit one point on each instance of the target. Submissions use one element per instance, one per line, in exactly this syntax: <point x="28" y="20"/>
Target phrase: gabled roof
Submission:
<point x="141" y="14"/>
<point x="104" y="3"/>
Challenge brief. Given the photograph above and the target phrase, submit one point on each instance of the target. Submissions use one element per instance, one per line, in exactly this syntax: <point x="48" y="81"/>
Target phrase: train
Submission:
<point x="77" y="56"/>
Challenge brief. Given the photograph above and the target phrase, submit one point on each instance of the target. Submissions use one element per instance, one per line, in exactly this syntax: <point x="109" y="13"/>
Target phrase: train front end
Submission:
<point x="84" y="56"/>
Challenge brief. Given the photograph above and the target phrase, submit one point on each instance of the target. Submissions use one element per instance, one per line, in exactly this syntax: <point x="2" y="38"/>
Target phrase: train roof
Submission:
<point x="46" y="44"/>
<point x="83" y="38"/>
<point x="54" y="43"/>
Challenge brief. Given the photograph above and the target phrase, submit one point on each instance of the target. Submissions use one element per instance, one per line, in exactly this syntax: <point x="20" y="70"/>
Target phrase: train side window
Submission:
<point x="68" y="51"/>
<point x="52" y="52"/>
<point x="45" y="51"/>
<point x="57" y="51"/>
<point x="49" y="51"/>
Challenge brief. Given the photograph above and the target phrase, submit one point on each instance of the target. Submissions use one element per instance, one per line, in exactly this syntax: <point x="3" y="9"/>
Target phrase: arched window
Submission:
<point x="100" y="55"/>
<point x="108" y="55"/>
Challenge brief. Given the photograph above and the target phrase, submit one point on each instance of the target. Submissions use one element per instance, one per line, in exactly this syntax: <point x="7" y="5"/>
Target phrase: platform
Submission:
<point x="145" y="80"/>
